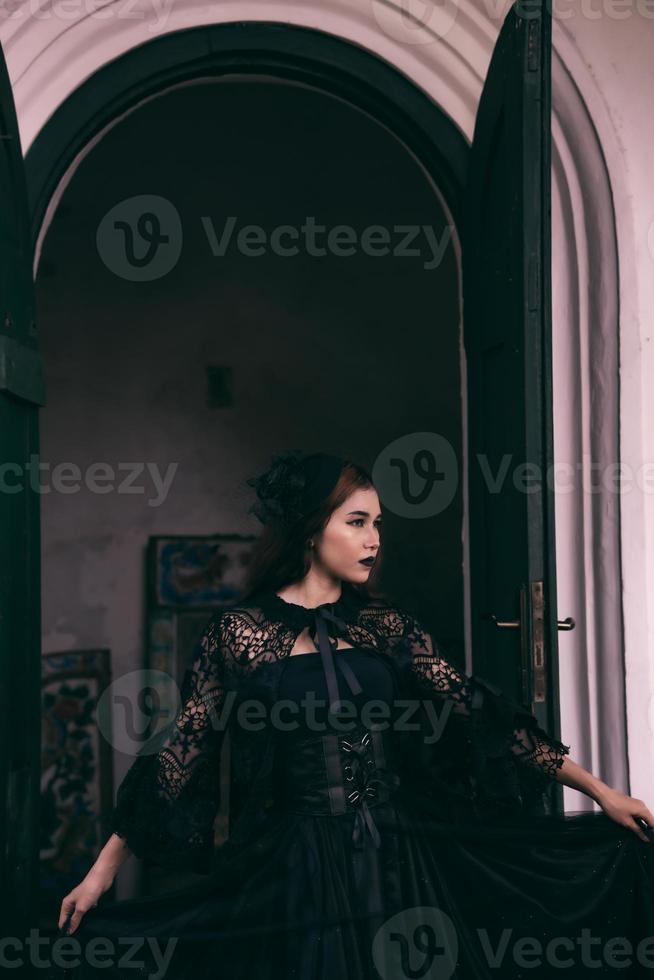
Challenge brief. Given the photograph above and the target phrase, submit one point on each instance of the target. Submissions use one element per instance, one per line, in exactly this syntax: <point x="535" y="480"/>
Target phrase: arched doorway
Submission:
<point x="405" y="333"/>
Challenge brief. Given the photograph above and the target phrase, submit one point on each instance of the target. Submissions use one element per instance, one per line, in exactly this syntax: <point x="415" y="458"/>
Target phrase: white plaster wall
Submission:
<point x="610" y="60"/>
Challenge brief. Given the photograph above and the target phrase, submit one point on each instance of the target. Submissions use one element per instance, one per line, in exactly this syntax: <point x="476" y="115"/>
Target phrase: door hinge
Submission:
<point x="533" y="45"/>
<point x="539" y="678"/>
<point x="533" y="282"/>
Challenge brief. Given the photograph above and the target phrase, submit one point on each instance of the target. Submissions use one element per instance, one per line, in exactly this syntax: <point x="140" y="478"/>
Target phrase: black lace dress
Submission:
<point x="358" y="870"/>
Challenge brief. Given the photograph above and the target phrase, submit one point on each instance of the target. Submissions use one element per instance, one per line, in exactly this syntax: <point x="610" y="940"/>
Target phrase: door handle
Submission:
<point x="532" y="640"/>
<point x="562" y="624"/>
<point x="506" y="625"/>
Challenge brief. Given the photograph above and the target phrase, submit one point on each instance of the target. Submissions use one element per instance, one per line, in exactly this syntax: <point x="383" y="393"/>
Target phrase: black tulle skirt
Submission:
<point x="553" y="897"/>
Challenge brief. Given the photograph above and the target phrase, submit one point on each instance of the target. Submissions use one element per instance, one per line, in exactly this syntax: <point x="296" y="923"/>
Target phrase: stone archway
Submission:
<point x="444" y="62"/>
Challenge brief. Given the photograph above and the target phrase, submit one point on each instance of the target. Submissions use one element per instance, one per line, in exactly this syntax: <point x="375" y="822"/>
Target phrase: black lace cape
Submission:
<point x="492" y="759"/>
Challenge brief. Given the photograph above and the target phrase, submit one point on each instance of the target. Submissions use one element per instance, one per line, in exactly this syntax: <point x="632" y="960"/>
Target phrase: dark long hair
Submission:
<point x="281" y="557"/>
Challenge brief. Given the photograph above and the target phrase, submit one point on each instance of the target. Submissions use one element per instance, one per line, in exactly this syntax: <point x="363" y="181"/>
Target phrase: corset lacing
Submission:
<point x="364" y="781"/>
<point x="356" y="763"/>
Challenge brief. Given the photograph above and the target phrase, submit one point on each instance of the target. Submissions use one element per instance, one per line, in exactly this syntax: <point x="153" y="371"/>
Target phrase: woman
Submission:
<point x="389" y="815"/>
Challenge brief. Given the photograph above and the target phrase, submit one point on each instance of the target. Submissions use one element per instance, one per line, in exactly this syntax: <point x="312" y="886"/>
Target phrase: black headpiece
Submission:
<point x="294" y="485"/>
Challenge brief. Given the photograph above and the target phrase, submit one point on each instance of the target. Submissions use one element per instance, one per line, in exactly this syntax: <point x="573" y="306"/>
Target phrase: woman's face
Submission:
<point x="352" y="533"/>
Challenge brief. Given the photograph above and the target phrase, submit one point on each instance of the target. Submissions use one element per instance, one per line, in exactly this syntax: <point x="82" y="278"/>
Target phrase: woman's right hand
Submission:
<point x="84" y="897"/>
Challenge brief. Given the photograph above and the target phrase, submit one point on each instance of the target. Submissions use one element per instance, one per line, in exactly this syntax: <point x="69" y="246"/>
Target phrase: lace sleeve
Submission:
<point x="511" y="759"/>
<point x="168" y="800"/>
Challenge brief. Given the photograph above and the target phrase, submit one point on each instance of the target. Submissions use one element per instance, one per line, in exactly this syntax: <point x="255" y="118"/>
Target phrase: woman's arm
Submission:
<point x="99" y="879"/>
<point x="168" y="799"/>
<point x="167" y="802"/>
<point x="619" y="806"/>
<point x="527" y="741"/>
<point x="112" y="855"/>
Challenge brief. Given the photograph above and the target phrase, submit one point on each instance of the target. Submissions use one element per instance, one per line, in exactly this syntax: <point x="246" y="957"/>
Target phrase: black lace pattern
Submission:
<point x="528" y="742"/>
<point x="167" y="802"/>
<point x="505" y="758"/>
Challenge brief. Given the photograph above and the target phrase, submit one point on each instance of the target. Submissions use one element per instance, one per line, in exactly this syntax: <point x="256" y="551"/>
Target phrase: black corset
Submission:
<point x="338" y="773"/>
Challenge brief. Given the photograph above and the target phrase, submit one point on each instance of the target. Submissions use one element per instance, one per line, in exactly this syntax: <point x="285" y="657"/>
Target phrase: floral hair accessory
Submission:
<point x="294" y="485"/>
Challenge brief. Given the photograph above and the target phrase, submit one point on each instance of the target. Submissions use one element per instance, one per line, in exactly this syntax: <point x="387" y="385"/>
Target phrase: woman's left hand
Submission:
<point x="623" y="809"/>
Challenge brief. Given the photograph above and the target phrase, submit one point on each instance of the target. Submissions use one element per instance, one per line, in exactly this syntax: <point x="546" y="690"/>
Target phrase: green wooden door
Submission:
<point x="507" y="316"/>
<point x="21" y="393"/>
